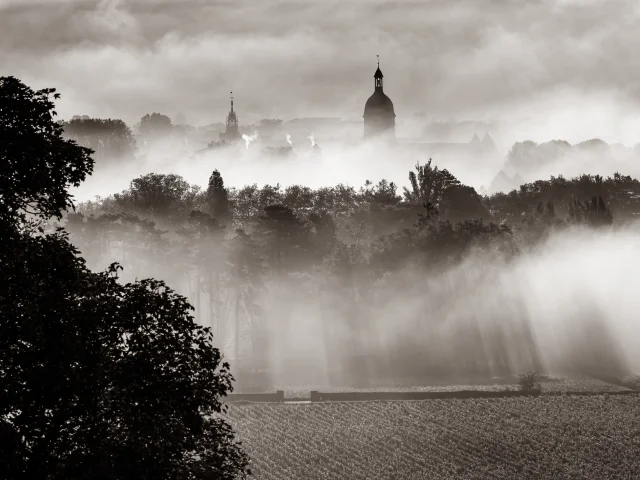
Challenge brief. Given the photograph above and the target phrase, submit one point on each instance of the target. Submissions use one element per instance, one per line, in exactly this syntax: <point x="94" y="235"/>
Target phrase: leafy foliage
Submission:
<point x="108" y="138"/>
<point x="429" y="184"/>
<point x="529" y="382"/>
<point x="155" y="125"/>
<point x="593" y="213"/>
<point x="105" y="380"/>
<point x="37" y="163"/>
<point x="98" y="378"/>
<point x="218" y="198"/>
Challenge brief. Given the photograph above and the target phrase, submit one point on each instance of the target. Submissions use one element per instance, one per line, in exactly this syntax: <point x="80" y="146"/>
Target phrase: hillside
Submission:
<point x="545" y="437"/>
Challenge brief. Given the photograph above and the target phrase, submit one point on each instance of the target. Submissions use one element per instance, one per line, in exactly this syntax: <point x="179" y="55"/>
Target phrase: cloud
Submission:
<point x="286" y="59"/>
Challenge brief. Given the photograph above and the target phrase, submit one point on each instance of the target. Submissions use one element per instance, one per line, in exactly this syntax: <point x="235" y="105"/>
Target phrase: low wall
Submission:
<point x="373" y="396"/>
<point x="316" y="396"/>
<point x="369" y="396"/>
<point x="255" y="397"/>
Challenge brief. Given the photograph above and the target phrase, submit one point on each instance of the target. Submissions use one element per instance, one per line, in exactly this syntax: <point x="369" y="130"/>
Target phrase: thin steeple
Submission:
<point x="377" y="82"/>
<point x="231" y="102"/>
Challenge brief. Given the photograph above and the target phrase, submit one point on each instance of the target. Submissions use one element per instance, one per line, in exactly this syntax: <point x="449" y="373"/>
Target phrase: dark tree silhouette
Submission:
<point x="203" y="239"/>
<point x="37" y="164"/>
<point x="285" y="237"/>
<point x="155" y="125"/>
<point x="324" y="233"/>
<point x="594" y="213"/>
<point x="246" y="280"/>
<point x="218" y="198"/>
<point x="429" y="185"/>
<point x="98" y="379"/>
<point x="159" y="196"/>
<point x="537" y="226"/>
<point x="108" y="138"/>
<point x="463" y="203"/>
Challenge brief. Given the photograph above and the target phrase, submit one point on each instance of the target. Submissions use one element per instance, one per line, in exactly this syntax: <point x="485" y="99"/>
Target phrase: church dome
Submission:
<point x="379" y="103"/>
<point x="379" y="115"/>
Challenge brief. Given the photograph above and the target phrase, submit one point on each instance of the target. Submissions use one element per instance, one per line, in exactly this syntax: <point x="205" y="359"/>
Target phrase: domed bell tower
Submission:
<point x="379" y="115"/>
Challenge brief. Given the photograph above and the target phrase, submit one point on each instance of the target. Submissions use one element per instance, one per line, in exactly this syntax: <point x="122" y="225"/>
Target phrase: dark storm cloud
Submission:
<point x="288" y="58"/>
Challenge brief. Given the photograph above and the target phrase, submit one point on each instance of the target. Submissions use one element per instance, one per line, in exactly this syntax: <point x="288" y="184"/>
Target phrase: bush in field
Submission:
<point x="529" y="382"/>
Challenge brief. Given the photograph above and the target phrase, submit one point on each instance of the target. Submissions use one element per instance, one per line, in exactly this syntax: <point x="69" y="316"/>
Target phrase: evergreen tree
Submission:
<point x="217" y="198"/>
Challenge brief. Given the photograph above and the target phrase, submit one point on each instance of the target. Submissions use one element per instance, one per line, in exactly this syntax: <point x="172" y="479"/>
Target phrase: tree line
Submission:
<point x="250" y="258"/>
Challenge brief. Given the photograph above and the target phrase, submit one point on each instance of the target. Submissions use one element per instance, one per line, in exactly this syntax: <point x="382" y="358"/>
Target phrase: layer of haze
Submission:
<point x="550" y="69"/>
<point x="336" y="164"/>
<point x="348" y="164"/>
<point x="576" y="293"/>
<point x="583" y="314"/>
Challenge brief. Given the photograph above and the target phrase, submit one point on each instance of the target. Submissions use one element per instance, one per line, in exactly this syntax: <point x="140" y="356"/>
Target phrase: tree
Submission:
<point x="108" y="138"/>
<point x="463" y="203"/>
<point x="429" y="186"/>
<point x="537" y="226"/>
<point x="166" y="197"/>
<point x="104" y="380"/>
<point x="98" y="379"/>
<point x="324" y="233"/>
<point x="285" y="238"/>
<point x="382" y="194"/>
<point x="245" y="280"/>
<point x="298" y="198"/>
<point x="218" y="198"/>
<point x="203" y="239"/>
<point x="594" y="213"/>
<point x="155" y="125"/>
<point x="37" y="164"/>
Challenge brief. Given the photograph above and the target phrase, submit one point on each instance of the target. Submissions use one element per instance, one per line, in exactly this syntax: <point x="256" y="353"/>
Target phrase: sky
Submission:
<point x="566" y="68"/>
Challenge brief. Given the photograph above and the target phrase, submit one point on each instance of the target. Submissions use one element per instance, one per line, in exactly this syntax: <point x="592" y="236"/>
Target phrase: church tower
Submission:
<point x="379" y="115"/>
<point x="231" y="133"/>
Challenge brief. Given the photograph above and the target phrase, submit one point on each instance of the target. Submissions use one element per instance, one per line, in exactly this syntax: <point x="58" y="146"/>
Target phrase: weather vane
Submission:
<point x="378" y="60"/>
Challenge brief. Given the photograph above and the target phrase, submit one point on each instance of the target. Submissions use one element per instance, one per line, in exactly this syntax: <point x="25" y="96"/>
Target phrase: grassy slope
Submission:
<point x="545" y="437"/>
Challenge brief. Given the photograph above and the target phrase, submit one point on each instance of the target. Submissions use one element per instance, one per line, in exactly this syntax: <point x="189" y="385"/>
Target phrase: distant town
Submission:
<point x="379" y="122"/>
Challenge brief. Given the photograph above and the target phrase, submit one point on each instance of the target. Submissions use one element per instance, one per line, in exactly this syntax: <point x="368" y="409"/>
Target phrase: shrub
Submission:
<point x="529" y="382"/>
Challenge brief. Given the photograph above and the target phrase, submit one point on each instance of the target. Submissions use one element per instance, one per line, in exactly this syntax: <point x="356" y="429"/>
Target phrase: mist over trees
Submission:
<point x="361" y="269"/>
<point x="98" y="378"/>
<point x="155" y="125"/>
<point x="110" y="139"/>
<point x="528" y="161"/>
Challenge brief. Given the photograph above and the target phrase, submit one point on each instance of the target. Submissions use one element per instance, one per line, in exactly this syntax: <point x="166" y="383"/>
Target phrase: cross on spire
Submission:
<point x="378" y="60"/>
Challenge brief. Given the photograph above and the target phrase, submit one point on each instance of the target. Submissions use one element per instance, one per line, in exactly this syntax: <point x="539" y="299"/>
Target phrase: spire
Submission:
<point x="378" y="73"/>
<point x="232" y="118"/>
<point x="377" y="82"/>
